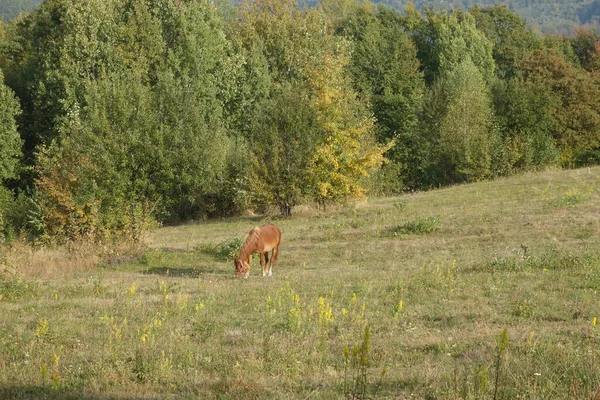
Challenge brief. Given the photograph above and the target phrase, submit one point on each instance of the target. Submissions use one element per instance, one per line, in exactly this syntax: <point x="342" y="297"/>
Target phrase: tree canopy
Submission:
<point x="118" y="115"/>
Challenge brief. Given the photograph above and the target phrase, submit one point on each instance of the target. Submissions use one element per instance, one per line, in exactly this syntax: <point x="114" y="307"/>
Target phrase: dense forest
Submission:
<point x="117" y="115"/>
<point x="547" y="16"/>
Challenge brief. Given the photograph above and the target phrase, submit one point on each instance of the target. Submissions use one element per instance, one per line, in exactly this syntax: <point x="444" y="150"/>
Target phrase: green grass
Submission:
<point x="419" y="226"/>
<point x="485" y="290"/>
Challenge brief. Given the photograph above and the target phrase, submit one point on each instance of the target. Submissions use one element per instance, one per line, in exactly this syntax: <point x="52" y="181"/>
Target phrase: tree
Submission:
<point x="576" y="119"/>
<point x="349" y="150"/>
<point x="10" y="142"/>
<point x="586" y="45"/>
<point x="511" y="37"/>
<point x="446" y="40"/>
<point x="10" y="146"/>
<point x="289" y="39"/>
<point x="138" y="131"/>
<point x="282" y="137"/>
<point x="283" y="143"/>
<point x="466" y="135"/>
<point x="456" y="136"/>
<point x="524" y="111"/>
<point x="48" y="55"/>
<point x="314" y="138"/>
<point x="385" y="73"/>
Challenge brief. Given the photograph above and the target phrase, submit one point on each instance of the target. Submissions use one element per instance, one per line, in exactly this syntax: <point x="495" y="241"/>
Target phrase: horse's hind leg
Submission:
<point x="273" y="259"/>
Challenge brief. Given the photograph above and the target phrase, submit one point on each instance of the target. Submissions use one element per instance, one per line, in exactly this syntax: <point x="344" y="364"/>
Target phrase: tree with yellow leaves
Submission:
<point x="349" y="151"/>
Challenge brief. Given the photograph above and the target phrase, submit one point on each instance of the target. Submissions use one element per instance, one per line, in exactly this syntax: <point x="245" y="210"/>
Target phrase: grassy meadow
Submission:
<point x="480" y="291"/>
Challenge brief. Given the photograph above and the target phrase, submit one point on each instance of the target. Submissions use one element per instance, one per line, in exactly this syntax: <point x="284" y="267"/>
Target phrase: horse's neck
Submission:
<point x="250" y="245"/>
<point x="246" y="252"/>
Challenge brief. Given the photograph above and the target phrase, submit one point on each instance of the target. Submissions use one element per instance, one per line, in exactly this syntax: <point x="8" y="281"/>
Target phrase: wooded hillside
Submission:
<point x="559" y="17"/>
<point x="118" y="115"/>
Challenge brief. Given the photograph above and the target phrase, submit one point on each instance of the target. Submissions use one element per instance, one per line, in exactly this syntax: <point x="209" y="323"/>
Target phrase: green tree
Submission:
<point x="576" y="118"/>
<point x="524" y="111"/>
<point x="509" y="34"/>
<point x="283" y="143"/>
<point x="10" y="142"/>
<point x="446" y="40"/>
<point x="466" y="135"/>
<point x="385" y="73"/>
<point x="290" y="39"/>
<point x="456" y="135"/>
<point x="48" y="56"/>
<point x="10" y="147"/>
<point x="139" y="134"/>
<point x="313" y="137"/>
<point x="275" y="34"/>
<point x="246" y="85"/>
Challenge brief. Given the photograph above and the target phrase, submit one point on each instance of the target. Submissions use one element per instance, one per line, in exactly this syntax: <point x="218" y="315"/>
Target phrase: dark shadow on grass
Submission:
<point x="378" y="388"/>
<point x="185" y="272"/>
<point x="47" y="393"/>
<point x="255" y="219"/>
<point x="174" y="250"/>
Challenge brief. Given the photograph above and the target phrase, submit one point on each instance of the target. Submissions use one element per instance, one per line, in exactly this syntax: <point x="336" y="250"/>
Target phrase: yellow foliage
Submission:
<point x="42" y="328"/>
<point x="350" y="151"/>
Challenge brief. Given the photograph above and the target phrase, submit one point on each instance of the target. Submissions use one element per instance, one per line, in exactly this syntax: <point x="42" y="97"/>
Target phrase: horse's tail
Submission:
<point x="278" y="234"/>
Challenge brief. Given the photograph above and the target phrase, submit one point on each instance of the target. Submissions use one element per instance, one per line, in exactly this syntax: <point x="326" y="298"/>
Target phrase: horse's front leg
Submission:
<point x="264" y="261"/>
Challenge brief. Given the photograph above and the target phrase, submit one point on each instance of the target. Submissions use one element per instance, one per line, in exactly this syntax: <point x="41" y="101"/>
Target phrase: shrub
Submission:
<point x="225" y="251"/>
<point x="419" y="226"/>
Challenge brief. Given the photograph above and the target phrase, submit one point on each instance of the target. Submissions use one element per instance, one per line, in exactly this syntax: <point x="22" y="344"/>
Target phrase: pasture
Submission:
<point x="487" y="290"/>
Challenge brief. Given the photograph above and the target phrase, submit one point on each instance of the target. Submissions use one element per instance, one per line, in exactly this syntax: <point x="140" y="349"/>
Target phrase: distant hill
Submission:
<point x="547" y="16"/>
<point x="10" y="9"/>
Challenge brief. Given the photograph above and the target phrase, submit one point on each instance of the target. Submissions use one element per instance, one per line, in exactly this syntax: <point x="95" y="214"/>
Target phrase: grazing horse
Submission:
<point x="260" y="240"/>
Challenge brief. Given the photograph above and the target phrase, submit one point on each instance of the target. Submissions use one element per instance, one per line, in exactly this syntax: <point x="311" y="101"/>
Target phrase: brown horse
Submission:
<point x="260" y="240"/>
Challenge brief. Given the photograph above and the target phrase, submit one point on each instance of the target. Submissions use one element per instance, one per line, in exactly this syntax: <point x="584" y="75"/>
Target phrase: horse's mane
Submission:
<point x="249" y="244"/>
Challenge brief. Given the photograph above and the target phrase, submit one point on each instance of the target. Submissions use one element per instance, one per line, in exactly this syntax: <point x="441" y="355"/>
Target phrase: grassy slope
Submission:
<point x="464" y="263"/>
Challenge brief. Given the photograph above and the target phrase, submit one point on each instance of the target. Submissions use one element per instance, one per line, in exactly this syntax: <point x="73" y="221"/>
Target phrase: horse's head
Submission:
<point x="241" y="269"/>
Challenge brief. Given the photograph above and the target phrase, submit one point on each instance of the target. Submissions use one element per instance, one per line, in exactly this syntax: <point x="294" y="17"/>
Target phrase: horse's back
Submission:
<point x="271" y="235"/>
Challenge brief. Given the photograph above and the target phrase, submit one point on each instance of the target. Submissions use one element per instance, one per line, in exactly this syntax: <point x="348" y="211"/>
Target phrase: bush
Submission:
<point x="419" y="226"/>
<point x="227" y="250"/>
